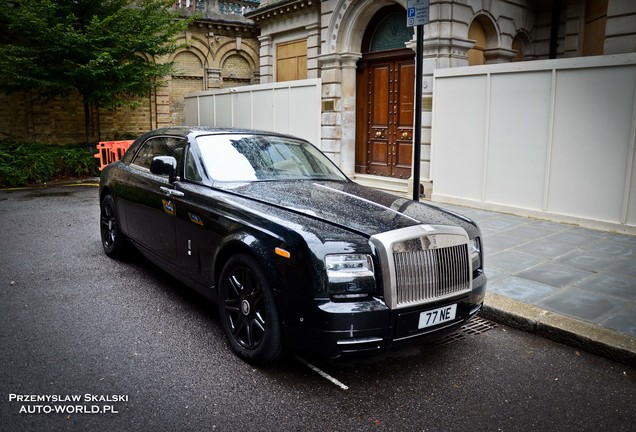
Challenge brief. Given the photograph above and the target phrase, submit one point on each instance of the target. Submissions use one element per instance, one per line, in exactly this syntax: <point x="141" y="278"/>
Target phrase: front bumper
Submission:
<point x="339" y="329"/>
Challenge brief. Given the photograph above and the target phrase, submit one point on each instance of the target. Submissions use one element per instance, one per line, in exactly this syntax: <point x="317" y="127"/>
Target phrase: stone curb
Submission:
<point x="559" y="328"/>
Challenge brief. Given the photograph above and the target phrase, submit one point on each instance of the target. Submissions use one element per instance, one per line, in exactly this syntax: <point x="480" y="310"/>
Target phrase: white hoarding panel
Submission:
<point x="459" y="137"/>
<point x="551" y="138"/>
<point x="518" y="139"/>
<point x="592" y="113"/>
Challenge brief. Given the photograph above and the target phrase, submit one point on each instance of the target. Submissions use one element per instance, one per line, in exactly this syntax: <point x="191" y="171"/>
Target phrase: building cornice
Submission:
<point x="280" y="9"/>
<point x="225" y="24"/>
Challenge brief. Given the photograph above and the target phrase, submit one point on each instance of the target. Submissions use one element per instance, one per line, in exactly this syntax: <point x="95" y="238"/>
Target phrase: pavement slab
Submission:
<point x="571" y="284"/>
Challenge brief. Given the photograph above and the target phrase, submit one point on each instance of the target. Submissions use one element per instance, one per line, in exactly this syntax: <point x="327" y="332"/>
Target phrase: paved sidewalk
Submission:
<point x="571" y="284"/>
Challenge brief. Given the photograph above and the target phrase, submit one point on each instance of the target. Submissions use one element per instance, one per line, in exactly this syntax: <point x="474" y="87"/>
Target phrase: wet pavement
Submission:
<point x="579" y="282"/>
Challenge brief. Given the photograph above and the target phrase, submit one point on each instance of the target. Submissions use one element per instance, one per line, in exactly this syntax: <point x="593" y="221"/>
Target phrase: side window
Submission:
<point x="191" y="171"/>
<point x="160" y="146"/>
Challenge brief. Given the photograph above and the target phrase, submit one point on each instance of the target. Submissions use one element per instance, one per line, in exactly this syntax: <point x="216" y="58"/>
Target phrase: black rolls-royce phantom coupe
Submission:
<point x="295" y="254"/>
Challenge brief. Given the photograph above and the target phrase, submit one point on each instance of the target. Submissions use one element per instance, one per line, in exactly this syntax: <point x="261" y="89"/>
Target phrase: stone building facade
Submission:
<point x="364" y="54"/>
<point x="222" y="50"/>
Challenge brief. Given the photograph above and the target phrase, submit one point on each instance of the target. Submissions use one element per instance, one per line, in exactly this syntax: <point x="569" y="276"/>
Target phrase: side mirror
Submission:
<point x="164" y="165"/>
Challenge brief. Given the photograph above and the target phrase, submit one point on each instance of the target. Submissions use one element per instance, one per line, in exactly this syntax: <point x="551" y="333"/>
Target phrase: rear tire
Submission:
<point x="113" y="241"/>
<point x="248" y="312"/>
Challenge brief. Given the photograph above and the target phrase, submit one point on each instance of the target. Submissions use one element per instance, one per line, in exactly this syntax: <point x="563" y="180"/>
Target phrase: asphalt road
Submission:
<point x="146" y="354"/>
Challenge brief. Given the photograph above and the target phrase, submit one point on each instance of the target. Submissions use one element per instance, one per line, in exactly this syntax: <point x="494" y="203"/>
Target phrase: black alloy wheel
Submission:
<point x="248" y="312"/>
<point x="113" y="240"/>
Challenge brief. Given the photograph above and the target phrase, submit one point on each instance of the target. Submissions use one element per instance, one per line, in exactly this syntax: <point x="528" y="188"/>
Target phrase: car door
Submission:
<point x="150" y="206"/>
<point x="199" y="226"/>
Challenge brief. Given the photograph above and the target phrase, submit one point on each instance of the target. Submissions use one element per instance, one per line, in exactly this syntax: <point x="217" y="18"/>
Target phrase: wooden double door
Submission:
<point x="384" y="120"/>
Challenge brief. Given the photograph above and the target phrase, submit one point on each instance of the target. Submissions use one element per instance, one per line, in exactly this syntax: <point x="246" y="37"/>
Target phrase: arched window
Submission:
<point x="391" y="33"/>
<point x="477" y="33"/>
<point x="235" y="71"/>
<point x="187" y="78"/>
<point x="594" y="32"/>
<point x="523" y="46"/>
<point x="517" y="45"/>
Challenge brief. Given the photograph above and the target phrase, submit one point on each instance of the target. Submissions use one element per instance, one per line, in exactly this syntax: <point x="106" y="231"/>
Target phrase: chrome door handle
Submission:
<point x="171" y="192"/>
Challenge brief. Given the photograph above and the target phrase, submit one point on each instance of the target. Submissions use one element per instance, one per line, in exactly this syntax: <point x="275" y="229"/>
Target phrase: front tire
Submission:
<point x="113" y="241"/>
<point x="248" y="312"/>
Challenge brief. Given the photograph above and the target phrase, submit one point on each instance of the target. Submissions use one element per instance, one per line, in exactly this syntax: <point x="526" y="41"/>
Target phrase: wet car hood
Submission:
<point x="347" y="204"/>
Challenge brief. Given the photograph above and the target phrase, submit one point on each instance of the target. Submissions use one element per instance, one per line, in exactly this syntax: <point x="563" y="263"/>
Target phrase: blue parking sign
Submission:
<point x="417" y="12"/>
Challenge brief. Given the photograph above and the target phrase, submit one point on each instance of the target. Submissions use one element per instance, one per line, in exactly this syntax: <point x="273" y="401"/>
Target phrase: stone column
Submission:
<point x="348" y="63"/>
<point x="339" y="108"/>
<point x="266" y="59"/>
<point x="313" y="50"/>
<point x="331" y="106"/>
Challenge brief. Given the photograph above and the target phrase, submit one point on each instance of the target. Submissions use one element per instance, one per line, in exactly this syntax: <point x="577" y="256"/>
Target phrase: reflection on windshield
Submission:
<point x="235" y="157"/>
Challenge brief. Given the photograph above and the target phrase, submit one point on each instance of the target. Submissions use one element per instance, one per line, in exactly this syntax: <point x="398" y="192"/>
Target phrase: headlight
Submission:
<point x="475" y="253"/>
<point x="350" y="275"/>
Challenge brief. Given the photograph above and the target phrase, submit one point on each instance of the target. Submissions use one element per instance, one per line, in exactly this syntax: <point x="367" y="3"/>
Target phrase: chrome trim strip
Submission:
<point x="359" y="341"/>
<point x="429" y="331"/>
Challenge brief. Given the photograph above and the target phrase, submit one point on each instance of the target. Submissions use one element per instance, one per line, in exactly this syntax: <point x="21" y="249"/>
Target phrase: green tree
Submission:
<point x="107" y="50"/>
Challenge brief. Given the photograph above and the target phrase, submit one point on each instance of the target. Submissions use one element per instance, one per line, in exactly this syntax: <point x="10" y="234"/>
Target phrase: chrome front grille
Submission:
<point x="427" y="275"/>
<point x="424" y="263"/>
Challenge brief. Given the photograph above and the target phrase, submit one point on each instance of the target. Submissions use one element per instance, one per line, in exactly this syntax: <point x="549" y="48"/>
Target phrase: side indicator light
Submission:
<point x="282" y="252"/>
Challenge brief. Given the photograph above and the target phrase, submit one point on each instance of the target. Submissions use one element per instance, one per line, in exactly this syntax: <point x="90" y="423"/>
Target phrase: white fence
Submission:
<point x="291" y="107"/>
<point x="551" y="139"/>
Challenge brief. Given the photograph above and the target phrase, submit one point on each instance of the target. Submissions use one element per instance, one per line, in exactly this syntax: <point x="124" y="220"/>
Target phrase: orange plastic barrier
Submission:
<point x="111" y="151"/>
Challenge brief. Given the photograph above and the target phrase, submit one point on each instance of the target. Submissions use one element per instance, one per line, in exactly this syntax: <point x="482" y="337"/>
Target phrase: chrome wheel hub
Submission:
<point x="245" y="307"/>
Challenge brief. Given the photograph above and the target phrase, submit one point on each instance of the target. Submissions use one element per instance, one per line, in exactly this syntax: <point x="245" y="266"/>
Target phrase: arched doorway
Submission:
<point x="385" y="96"/>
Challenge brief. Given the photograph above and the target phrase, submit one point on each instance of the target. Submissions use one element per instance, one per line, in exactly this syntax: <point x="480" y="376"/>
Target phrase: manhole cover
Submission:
<point x="474" y="327"/>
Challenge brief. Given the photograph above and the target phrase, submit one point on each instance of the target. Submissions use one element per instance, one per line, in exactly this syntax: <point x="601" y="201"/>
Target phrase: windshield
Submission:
<point x="238" y="158"/>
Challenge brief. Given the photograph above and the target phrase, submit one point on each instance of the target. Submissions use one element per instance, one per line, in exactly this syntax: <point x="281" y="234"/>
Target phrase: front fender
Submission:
<point x="282" y="268"/>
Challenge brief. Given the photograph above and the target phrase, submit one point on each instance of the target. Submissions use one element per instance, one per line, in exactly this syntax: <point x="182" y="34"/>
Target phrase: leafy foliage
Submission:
<point x="22" y="163"/>
<point x="111" y="51"/>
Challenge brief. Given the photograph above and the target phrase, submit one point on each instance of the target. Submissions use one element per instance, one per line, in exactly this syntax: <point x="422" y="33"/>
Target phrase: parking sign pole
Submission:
<point x="417" y="134"/>
<point x="417" y="16"/>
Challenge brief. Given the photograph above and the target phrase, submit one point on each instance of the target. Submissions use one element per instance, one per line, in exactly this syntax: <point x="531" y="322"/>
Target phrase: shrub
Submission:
<point x="24" y="163"/>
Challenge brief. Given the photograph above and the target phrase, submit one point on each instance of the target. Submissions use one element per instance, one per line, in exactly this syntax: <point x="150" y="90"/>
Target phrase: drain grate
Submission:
<point x="474" y="327"/>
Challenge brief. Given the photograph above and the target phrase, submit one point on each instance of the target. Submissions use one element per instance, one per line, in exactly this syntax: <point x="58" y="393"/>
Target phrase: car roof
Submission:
<point x="196" y="131"/>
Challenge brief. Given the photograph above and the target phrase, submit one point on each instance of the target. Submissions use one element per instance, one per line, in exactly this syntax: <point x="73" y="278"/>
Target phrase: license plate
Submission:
<point x="437" y="316"/>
